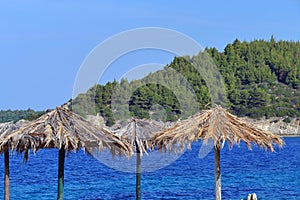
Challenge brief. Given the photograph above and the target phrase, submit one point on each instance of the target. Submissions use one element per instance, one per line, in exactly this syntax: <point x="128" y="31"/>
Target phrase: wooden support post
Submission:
<point x="6" y="174"/>
<point x="61" y="165"/>
<point x="138" y="175"/>
<point x="138" y="166"/>
<point x="217" y="173"/>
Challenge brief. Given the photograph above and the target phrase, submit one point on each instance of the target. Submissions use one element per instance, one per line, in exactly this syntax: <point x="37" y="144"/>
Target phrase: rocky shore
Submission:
<point x="279" y="125"/>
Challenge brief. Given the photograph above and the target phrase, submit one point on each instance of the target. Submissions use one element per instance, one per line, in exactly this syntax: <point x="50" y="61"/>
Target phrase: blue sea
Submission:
<point x="269" y="175"/>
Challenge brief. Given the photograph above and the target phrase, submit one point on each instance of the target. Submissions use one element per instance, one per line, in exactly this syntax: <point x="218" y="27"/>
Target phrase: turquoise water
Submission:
<point x="269" y="175"/>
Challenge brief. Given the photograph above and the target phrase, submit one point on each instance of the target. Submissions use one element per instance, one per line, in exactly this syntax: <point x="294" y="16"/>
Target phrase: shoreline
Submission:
<point x="287" y="135"/>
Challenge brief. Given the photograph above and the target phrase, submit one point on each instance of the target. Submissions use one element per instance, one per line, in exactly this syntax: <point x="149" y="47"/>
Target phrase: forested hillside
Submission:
<point x="16" y="115"/>
<point x="262" y="79"/>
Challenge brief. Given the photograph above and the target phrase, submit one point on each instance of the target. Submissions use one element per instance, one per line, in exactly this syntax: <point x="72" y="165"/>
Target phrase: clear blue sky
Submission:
<point x="43" y="43"/>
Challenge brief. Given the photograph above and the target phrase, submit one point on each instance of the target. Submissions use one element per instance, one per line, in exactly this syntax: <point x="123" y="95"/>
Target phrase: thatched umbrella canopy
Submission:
<point x="27" y="142"/>
<point x="6" y="128"/>
<point x="65" y="130"/>
<point x="138" y="132"/>
<point x="218" y="125"/>
<point x="21" y="143"/>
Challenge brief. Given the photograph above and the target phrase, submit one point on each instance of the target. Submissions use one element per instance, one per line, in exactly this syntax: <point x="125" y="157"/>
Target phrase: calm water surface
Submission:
<point x="269" y="175"/>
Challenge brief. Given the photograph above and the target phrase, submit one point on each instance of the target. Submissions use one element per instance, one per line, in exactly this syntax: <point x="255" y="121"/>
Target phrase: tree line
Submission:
<point x="261" y="79"/>
<point x="16" y="115"/>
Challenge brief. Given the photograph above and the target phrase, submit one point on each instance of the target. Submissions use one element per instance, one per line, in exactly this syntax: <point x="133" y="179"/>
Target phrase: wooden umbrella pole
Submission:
<point x="217" y="173"/>
<point x="61" y="164"/>
<point x="138" y="175"/>
<point x="6" y="174"/>
<point x="138" y="165"/>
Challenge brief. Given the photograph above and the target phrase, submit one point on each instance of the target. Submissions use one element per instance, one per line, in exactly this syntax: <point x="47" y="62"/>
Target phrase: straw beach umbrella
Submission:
<point x="66" y="130"/>
<point x="6" y="128"/>
<point x="24" y="145"/>
<point x="218" y="125"/>
<point x="138" y="132"/>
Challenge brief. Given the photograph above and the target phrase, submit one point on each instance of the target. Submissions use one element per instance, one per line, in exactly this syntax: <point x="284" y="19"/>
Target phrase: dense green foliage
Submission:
<point x="261" y="78"/>
<point x="16" y="115"/>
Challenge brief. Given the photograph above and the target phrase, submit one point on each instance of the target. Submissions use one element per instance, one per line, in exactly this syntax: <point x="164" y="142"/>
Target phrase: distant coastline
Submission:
<point x="289" y="135"/>
<point x="277" y="125"/>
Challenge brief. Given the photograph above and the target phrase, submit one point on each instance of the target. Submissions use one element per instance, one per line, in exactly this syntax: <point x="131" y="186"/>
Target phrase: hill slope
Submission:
<point x="262" y="79"/>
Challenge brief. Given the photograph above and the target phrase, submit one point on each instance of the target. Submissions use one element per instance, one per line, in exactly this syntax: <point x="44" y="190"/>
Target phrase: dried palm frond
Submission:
<point x="5" y="129"/>
<point x="138" y="132"/>
<point x="28" y="141"/>
<point x="61" y="128"/>
<point x="22" y="122"/>
<point x="218" y="125"/>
